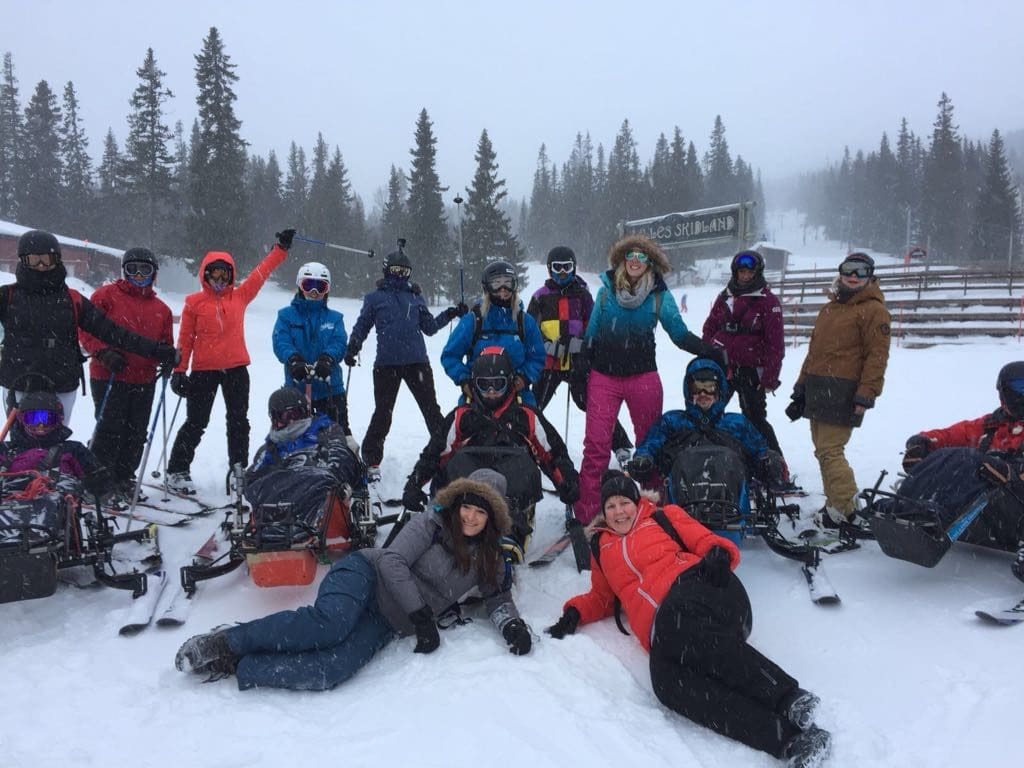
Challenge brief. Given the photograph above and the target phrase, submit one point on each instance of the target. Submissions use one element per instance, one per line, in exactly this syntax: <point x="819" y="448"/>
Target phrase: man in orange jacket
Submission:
<point x="212" y="337"/>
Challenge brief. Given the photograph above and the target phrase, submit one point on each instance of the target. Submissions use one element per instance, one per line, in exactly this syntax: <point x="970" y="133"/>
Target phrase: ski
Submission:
<point x="1000" y="612"/>
<point x="178" y="608"/>
<point x="147" y="514"/>
<point x="550" y="554"/>
<point x="194" y="506"/>
<point x="143" y="608"/>
<point x="821" y="590"/>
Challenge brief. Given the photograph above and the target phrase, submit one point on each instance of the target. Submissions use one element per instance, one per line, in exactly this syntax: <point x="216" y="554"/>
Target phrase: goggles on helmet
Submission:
<point x="703" y="386"/>
<point x="39" y="418"/>
<point x="502" y="281"/>
<point x="637" y="256"/>
<point x="745" y="261"/>
<point x="1015" y="385"/>
<point x="218" y="274"/>
<point x="281" y="419"/>
<point x="855" y="269"/>
<point x="562" y="267"/>
<point x="496" y="384"/>
<point x="40" y="259"/>
<point x="314" y="285"/>
<point x="139" y="269"/>
<point x="397" y="270"/>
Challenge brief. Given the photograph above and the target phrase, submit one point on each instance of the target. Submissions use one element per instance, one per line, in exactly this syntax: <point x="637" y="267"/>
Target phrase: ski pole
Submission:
<point x="145" y="455"/>
<point x="568" y="396"/>
<point x="103" y="406"/>
<point x="7" y="424"/>
<point x="462" y="271"/>
<point x="348" y="381"/>
<point x="325" y="244"/>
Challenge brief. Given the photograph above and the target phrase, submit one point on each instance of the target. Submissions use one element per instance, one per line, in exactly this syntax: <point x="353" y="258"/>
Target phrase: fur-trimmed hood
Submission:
<point x="656" y="257"/>
<point x="449" y="496"/>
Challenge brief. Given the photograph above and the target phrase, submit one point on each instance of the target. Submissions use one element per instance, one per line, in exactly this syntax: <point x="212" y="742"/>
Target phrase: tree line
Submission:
<point x="956" y="196"/>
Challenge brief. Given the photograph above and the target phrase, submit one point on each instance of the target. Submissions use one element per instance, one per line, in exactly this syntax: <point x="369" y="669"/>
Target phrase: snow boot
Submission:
<point x="623" y="455"/>
<point x="207" y="654"/>
<point x="799" y="708"/>
<point x="808" y="749"/>
<point x="181" y="482"/>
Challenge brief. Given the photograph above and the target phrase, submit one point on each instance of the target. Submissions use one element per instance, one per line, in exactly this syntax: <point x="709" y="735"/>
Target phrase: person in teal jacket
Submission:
<point x="310" y="339"/>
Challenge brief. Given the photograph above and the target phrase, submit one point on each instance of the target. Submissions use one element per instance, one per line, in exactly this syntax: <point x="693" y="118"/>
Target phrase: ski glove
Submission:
<point x="565" y="625"/>
<point x="297" y="368"/>
<point x="427" y="638"/>
<point x="640" y="467"/>
<point x="795" y="409"/>
<point x="351" y="358"/>
<point x="179" y="384"/>
<point x="461" y="309"/>
<point x="324" y="366"/>
<point x="414" y="499"/>
<point x="114" y="361"/>
<point x="713" y="569"/>
<point x="284" y="238"/>
<point x="168" y="356"/>
<point x="517" y="635"/>
<point x="918" y="446"/>
<point x="569" y="490"/>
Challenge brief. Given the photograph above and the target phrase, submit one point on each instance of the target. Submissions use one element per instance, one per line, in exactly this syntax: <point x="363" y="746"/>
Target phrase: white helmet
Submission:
<point x="312" y="269"/>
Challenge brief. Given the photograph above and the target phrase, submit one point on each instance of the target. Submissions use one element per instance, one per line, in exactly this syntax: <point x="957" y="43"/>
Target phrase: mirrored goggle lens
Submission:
<point x="703" y="386"/>
<point x="287" y="416"/>
<point x="498" y="283"/>
<point x="40" y="259"/>
<point x="492" y="383"/>
<point x="312" y="285"/>
<point x="399" y="271"/>
<point x="1016" y="385"/>
<point x="746" y="262"/>
<point x="854" y="268"/>
<point x="218" y="274"/>
<point x="563" y="267"/>
<point x="637" y="256"/>
<point x="39" y="418"/>
<point x="138" y="269"/>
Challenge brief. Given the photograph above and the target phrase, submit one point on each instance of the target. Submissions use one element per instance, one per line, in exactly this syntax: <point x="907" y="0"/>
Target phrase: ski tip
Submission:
<point x="999" y="621"/>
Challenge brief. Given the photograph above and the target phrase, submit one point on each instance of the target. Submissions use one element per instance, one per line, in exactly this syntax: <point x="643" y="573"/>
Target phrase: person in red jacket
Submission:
<point x="212" y="338"/>
<point x="123" y="383"/>
<point x="673" y="579"/>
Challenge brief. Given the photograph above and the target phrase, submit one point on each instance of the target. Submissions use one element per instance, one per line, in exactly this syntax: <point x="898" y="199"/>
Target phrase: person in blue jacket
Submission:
<point x="400" y="315"/>
<point x="498" y="320"/>
<point x="310" y="340"/>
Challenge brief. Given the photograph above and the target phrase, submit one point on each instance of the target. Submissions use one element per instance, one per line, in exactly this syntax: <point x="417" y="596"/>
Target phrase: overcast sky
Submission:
<point x="793" y="81"/>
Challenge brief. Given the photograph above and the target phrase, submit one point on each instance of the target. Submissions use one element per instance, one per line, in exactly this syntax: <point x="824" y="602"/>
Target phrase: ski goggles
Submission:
<point x="637" y="256"/>
<point x="315" y="285"/>
<point x="40" y="259"/>
<point x="1016" y="386"/>
<point x="139" y="269"/>
<point x="497" y="384"/>
<point x="562" y="267"/>
<point x="745" y="261"/>
<point x="39" y="418"/>
<point x="505" y="281"/>
<point x="855" y="269"/>
<point x="219" y="274"/>
<point x="399" y="271"/>
<point x="703" y="387"/>
<point x="283" y="418"/>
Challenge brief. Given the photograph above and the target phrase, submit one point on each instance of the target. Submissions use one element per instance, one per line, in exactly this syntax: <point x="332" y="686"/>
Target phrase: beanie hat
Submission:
<point x="561" y="253"/>
<point x="38" y="241"/>
<point x="614" y="483"/>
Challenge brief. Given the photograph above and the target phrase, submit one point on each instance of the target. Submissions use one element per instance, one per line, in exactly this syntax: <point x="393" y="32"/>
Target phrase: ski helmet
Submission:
<point x="492" y="374"/>
<point x="561" y="253"/>
<point x="40" y="413"/>
<point x="1010" y="384"/>
<point x="285" y="406"/>
<point x="499" y="271"/>
<point x="859" y="259"/>
<point x="313" y="270"/>
<point x="139" y="256"/>
<point x="36" y="241"/>
<point x="747" y="260"/>
<point x="397" y="263"/>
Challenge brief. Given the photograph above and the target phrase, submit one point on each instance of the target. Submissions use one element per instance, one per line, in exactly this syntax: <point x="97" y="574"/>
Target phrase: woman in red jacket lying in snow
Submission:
<point x="673" y="579"/>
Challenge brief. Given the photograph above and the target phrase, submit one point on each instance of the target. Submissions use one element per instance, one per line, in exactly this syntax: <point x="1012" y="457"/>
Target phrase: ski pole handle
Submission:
<point x="325" y="244"/>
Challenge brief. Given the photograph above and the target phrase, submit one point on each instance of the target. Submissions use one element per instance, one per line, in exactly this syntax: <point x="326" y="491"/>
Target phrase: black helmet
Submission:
<point x="38" y="241"/>
<point x="492" y="372"/>
<point x="496" y="270"/>
<point x="748" y="259"/>
<point x="285" y="406"/>
<point x="859" y="259"/>
<point x="138" y="256"/>
<point x="1010" y="384"/>
<point x="561" y="253"/>
<point x="40" y="412"/>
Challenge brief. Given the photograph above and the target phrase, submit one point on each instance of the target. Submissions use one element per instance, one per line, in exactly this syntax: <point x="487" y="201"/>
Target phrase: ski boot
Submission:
<point x="363" y="521"/>
<point x="181" y="483"/>
<point x="373" y="474"/>
<point x="208" y="653"/>
<point x="622" y="456"/>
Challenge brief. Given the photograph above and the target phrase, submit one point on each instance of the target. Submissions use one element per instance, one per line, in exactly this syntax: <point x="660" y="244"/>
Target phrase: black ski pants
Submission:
<point x="703" y="668"/>
<point x="419" y="378"/>
<point x="120" y="435"/>
<point x="544" y="391"/>
<point x="202" y="389"/>
<point x="754" y="403"/>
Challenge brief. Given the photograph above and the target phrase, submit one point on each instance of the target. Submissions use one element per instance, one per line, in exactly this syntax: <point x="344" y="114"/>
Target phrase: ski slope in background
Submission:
<point x="906" y="674"/>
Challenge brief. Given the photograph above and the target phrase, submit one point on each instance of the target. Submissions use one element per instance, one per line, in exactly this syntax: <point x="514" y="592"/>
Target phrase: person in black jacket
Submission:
<point x="41" y="317"/>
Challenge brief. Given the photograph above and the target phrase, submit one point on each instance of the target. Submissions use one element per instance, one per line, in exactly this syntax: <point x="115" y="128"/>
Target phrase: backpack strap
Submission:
<point x="666" y="525"/>
<point x="478" y="325"/>
<point x="595" y="550"/>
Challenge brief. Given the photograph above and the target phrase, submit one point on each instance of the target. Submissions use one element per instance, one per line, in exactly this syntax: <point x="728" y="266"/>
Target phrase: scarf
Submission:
<point x="631" y="299"/>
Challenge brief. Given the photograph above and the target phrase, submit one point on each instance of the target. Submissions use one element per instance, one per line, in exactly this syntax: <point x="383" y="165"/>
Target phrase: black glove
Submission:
<point x="427" y="639"/>
<point x="565" y="625"/>
<point x="719" y="355"/>
<point x="414" y="499"/>
<point x="297" y="368"/>
<point x="114" y="361"/>
<point x="351" y="358"/>
<point x="179" y="384"/>
<point x="324" y="366"/>
<point x="714" y="567"/>
<point x="460" y="309"/>
<point x="167" y="355"/>
<point x="640" y="467"/>
<point x="284" y="237"/>
<point x="517" y="635"/>
<point x="569" y="490"/>
<point x="795" y="409"/>
<point x="918" y="446"/>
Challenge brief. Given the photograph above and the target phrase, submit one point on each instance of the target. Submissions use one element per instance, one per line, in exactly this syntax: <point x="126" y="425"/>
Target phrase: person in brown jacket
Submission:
<point x="840" y="379"/>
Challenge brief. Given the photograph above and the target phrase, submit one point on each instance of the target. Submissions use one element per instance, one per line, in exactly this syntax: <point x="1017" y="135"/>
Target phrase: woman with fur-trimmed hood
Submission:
<point x="631" y="301"/>
<point x="373" y="595"/>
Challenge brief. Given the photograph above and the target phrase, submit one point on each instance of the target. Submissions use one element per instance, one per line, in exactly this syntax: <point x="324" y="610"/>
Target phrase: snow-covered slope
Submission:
<point x="907" y="675"/>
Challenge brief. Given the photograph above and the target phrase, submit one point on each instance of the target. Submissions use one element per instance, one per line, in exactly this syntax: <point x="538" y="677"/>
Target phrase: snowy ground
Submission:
<point x="907" y="675"/>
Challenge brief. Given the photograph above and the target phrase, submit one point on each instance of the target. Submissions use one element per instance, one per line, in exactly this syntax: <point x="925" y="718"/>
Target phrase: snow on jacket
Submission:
<point x="749" y="326"/>
<point x="418" y="569"/>
<point x="309" y="329"/>
<point x="676" y="430"/>
<point x="640" y="567"/>
<point x="846" y="357"/>
<point x="41" y="318"/>
<point x="212" y="333"/>
<point x="1007" y="434"/>
<point x="137" y="308"/>
<point x="400" y="315"/>
<point x="562" y="313"/>
<point x="499" y="327"/>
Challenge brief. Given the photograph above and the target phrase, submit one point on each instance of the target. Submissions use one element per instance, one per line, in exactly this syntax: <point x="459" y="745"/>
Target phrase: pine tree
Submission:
<point x="393" y="222"/>
<point x="149" y="165"/>
<point x="318" y="215"/>
<point x="11" y="141"/>
<point x="430" y="246"/>
<point x="997" y="215"/>
<point x="217" y="213"/>
<point x="576" y="205"/>
<point x="540" y="226"/>
<point x="296" y="187"/>
<point x="77" y="166"/>
<point x="942" y="198"/>
<point x="719" y="186"/>
<point x="487" y="230"/>
<point x="40" y="186"/>
<point x="263" y="197"/>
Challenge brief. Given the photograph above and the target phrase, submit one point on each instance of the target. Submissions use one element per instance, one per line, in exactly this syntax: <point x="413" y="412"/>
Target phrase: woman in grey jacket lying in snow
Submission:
<point x="373" y="595"/>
